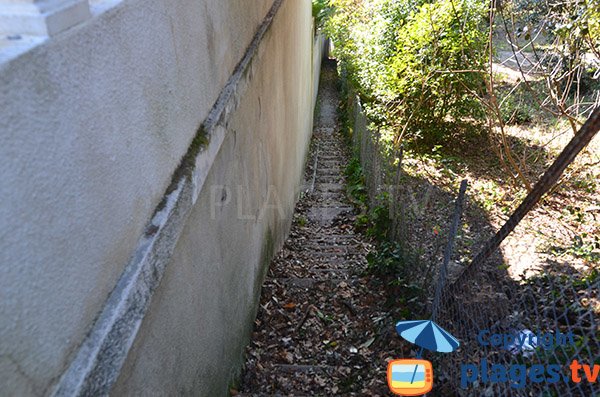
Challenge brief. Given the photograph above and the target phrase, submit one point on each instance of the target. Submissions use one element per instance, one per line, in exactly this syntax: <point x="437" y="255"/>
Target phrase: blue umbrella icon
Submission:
<point x="427" y="335"/>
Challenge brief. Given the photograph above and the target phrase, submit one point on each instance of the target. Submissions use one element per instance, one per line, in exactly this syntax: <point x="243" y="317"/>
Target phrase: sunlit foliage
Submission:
<point x="415" y="63"/>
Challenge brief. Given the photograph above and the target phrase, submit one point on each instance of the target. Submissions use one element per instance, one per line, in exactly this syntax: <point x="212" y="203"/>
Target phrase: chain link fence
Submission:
<point x="547" y="318"/>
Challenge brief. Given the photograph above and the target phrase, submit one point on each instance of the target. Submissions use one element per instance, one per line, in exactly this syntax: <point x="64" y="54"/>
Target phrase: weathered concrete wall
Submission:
<point x="203" y="312"/>
<point x="94" y="124"/>
<point x="320" y="51"/>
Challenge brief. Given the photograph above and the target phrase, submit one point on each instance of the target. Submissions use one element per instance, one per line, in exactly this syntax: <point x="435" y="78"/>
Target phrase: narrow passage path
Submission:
<point x="321" y="318"/>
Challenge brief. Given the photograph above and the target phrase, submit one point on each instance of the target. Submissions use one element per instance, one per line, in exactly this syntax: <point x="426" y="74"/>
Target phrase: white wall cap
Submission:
<point x="41" y="18"/>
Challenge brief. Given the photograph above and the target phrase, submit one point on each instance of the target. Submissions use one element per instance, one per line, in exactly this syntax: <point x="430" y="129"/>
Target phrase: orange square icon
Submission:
<point x="410" y="377"/>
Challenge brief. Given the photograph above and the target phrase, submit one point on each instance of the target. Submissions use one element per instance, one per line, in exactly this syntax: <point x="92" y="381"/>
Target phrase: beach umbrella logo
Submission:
<point x="414" y="377"/>
<point x="427" y="335"/>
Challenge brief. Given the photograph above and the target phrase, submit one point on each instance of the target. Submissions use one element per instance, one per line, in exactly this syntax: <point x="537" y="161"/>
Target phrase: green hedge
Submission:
<point x="415" y="64"/>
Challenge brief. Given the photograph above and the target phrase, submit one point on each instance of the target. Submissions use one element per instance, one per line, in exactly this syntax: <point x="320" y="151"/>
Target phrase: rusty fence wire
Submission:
<point x="554" y="310"/>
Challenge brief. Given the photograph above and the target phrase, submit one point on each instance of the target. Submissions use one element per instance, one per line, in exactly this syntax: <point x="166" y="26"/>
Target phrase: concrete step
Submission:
<point x="329" y="171"/>
<point x="333" y="250"/>
<point x="329" y="187"/>
<point x="309" y="282"/>
<point x="327" y="214"/>
<point x="332" y="157"/>
<point x="333" y="242"/>
<point x="344" y="265"/>
<point x="332" y="163"/>
<point x="334" y="204"/>
<point x="330" y="179"/>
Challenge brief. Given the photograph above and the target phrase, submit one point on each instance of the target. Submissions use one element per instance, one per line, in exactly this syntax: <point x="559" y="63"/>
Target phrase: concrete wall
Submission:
<point x="122" y="266"/>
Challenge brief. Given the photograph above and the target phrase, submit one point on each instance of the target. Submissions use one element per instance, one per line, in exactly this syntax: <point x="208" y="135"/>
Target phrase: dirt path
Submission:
<point x="320" y="317"/>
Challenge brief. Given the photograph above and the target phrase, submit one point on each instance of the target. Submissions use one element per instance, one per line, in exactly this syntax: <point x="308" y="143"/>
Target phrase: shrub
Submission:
<point x="415" y="64"/>
<point x="320" y="11"/>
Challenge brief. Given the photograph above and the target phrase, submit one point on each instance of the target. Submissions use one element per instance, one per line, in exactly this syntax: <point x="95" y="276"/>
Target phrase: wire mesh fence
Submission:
<point x="535" y="333"/>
